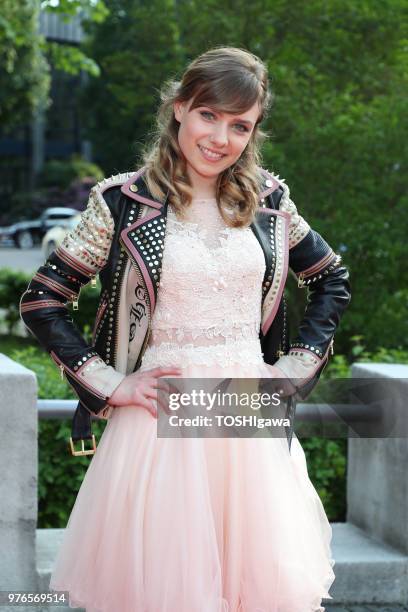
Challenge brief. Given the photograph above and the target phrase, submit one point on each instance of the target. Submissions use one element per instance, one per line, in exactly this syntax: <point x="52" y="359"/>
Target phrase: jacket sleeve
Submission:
<point x="43" y="306"/>
<point x="319" y="270"/>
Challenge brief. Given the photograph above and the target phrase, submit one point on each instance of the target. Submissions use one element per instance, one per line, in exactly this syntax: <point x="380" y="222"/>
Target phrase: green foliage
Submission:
<point x="137" y="49"/>
<point x="339" y="366"/>
<point x="67" y="58"/>
<point x="70" y="60"/>
<point x="24" y="72"/>
<point x="25" y="55"/>
<point x="13" y="284"/>
<point x="63" y="172"/>
<point x="67" y="9"/>
<point x="327" y="468"/>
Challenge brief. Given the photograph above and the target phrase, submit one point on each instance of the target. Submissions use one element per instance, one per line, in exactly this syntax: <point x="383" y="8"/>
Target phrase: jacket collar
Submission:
<point x="136" y="188"/>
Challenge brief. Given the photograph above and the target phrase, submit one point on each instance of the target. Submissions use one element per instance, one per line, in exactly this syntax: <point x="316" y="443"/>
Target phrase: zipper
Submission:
<point x="118" y="292"/>
<point x="64" y="369"/>
<point x="98" y="317"/>
<point x="284" y="325"/>
<point x="281" y="352"/>
<point x="318" y="268"/>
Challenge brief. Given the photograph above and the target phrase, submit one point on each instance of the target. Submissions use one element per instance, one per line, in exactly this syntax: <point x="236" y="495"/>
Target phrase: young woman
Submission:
<point x="193" y="252"/>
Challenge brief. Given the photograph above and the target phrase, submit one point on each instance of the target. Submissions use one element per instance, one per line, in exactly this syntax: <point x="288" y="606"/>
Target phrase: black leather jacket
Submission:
<point x="123" y="226"/>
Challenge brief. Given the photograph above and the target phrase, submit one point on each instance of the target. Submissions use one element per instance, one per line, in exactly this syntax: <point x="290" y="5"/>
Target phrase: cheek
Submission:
<point x="183" y="139"/>
<point x="188" y="133"/>
<point x="239" y="145"/>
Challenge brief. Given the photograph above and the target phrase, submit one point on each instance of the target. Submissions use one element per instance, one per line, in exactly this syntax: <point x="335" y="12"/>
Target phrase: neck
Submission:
<point x="203" y="186"/>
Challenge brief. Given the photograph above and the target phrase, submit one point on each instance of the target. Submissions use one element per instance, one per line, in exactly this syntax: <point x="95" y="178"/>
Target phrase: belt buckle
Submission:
<point x="80" y="453"/>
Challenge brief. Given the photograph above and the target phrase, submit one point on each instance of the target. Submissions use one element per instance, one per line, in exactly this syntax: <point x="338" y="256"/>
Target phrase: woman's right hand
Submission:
<point x="141" y="388"/>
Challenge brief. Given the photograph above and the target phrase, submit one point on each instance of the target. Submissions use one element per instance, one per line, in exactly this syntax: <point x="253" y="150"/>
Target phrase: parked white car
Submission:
<point x="53" y="238"/>
<point x="27" y="234"/>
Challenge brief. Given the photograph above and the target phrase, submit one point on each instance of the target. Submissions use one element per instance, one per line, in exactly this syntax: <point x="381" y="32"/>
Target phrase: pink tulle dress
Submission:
<point x="198" y="524"/>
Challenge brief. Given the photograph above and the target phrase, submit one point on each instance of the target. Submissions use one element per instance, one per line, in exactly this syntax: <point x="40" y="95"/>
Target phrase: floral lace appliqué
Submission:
<point x="209" y="301"/>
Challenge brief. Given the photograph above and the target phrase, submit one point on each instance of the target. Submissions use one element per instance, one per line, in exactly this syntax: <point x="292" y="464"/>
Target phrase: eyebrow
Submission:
<point x="238" y="119"/>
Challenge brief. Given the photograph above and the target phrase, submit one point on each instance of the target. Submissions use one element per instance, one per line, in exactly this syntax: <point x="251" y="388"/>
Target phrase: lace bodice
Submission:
<point x="210" y="285"/>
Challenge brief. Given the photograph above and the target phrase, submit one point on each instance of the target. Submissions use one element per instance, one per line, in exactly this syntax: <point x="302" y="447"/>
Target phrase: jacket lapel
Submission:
<point x="143" y="236"/>
<point x="271" y="227"/>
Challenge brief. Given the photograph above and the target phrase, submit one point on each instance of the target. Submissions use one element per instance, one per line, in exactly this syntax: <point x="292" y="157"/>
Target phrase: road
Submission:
<point x="26" y="260"/>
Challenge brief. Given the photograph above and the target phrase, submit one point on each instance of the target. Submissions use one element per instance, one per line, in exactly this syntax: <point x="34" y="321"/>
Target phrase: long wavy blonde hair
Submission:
<point x="231" y="80"/>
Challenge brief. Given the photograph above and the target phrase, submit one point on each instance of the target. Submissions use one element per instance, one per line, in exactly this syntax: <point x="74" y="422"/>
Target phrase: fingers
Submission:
<point x="165" y="371"/>
<point x="149" y="398"/>
<point x="147" y="405"/>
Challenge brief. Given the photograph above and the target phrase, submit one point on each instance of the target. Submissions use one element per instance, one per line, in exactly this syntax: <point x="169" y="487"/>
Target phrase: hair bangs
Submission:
<point x="231" y="93"/>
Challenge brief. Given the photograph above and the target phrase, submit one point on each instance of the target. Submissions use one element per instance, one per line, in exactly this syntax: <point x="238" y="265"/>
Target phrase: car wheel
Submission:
<point x="50" y="247"/>
<point x="25" y="240"/>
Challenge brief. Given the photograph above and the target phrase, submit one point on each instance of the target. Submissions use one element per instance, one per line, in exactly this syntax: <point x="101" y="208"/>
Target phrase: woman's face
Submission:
<point x="212" y="141"/>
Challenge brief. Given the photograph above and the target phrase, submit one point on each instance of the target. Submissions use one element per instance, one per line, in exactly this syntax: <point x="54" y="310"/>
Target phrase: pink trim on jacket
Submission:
<point x="135" y="196"/>
<point x="74" y="263"/>
<point x="280" y="213"/>
<point x="125" y="237"/>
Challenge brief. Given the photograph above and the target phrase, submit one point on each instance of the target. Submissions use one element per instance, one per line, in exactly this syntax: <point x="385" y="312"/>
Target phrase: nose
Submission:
<point x="219" y="135"/>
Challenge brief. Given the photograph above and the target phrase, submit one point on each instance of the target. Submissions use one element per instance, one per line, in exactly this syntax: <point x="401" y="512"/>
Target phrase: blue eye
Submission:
<point x="243" y="126"/>
<point x="240" y="125"/>
<point x="206" y="113"/>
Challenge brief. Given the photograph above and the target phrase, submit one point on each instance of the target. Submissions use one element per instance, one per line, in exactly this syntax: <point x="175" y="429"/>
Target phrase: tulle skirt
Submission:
<point x="195" y="524"/>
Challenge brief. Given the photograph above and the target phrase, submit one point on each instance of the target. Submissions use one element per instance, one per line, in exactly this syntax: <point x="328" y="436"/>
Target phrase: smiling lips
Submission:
<point x="210" y="155"/>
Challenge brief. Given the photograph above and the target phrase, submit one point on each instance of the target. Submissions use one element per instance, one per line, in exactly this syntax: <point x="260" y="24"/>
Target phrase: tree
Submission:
<point x="136" y="49"/>
<point x="24" y="72"/>
<point x="25" y="55"/>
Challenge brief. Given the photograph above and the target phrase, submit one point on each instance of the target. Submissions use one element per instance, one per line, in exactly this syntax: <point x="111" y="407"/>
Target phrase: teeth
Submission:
<point x="211" y="154"/>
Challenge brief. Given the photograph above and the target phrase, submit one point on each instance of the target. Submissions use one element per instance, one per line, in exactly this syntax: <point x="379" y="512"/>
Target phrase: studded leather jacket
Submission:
<point x="123" y="229"/>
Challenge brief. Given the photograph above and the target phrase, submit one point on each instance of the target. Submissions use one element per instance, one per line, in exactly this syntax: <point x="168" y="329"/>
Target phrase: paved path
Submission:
<point x="27" y="260"/>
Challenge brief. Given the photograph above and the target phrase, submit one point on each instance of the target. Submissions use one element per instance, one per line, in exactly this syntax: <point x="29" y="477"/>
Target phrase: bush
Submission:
<point x="12" y="286"/>
<point x="63" y="172"/>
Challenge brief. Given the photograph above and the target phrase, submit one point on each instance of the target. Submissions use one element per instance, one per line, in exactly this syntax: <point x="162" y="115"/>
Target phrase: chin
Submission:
<point x="206" y="172"/>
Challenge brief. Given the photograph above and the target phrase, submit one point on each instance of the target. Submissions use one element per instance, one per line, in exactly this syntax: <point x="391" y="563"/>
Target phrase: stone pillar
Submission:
<point x="18" y="482"/>
<point x="377" y="472"/>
